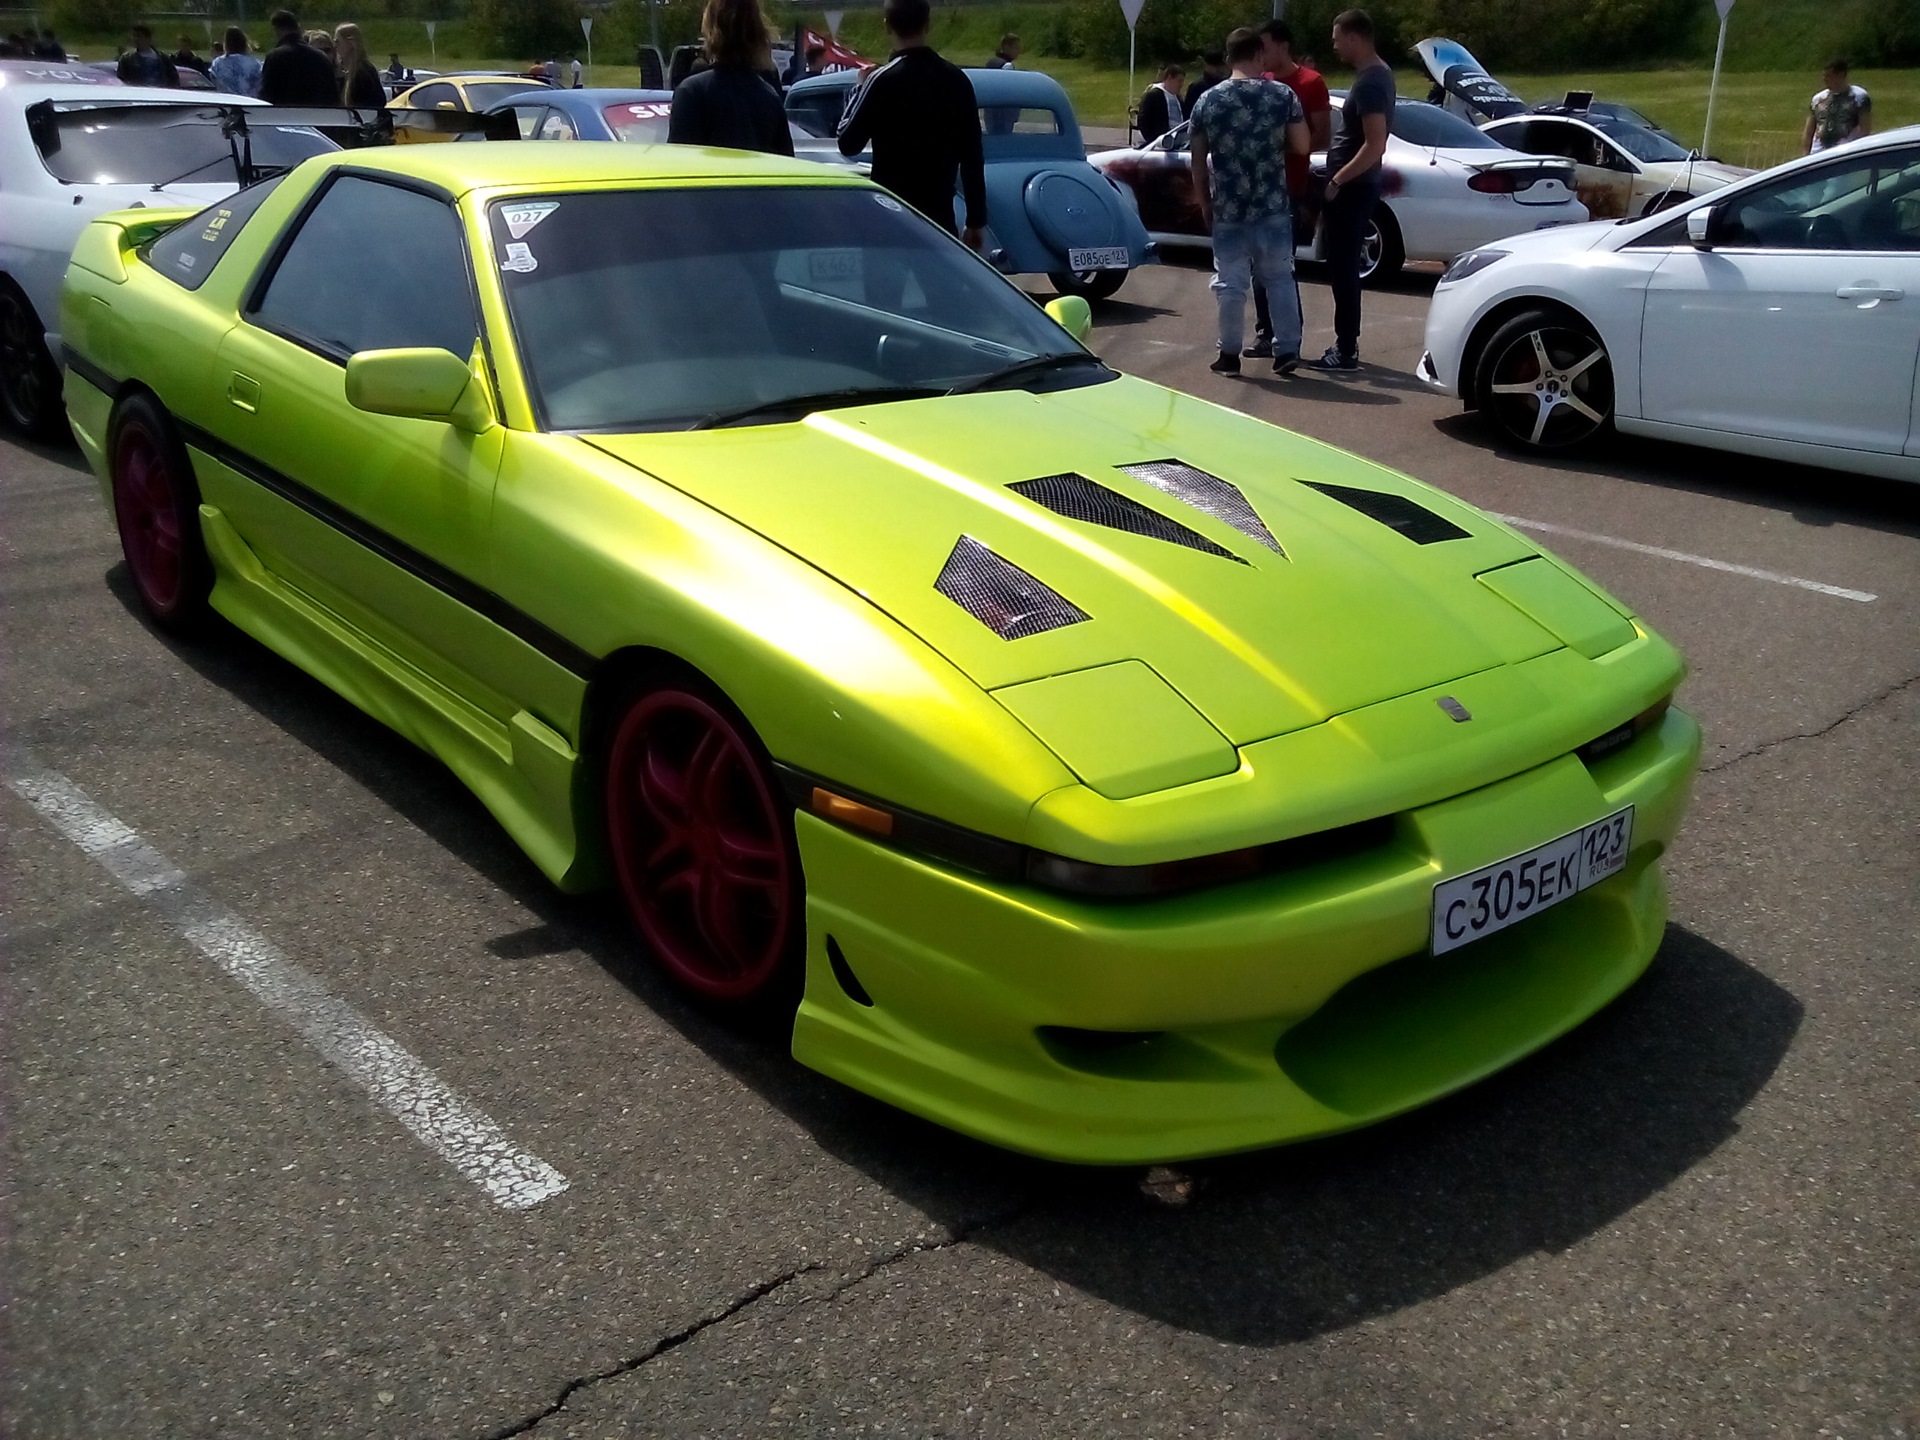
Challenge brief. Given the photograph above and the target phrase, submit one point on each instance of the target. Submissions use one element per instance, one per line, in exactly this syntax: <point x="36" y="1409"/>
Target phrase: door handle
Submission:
<point x="243" y="392"/>
<point x="1866" y="294"/>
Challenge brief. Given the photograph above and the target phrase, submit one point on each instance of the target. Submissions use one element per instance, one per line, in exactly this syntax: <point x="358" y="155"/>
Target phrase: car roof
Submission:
<point x="1018" y="87"/>
<point x="594" y="99"/>
<point x="16" y="92"/>
<point x="538" y="165"/>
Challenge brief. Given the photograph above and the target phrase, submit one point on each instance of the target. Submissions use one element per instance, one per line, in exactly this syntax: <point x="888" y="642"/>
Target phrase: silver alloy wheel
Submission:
<point x="1372" y="246"/>
<point x="1552" y="386"/>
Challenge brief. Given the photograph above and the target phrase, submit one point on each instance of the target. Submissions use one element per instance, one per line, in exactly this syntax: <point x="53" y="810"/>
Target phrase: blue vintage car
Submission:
<point x="1048" y="211"/>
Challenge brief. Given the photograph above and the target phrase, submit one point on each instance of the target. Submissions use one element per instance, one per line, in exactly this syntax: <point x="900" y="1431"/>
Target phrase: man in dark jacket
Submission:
<point x="144" y="65"/>
<point x="293" y="72"/>
<point x="733" y="102"/>
<point x="1213" y="69"/>
<point x="919" y="113"/>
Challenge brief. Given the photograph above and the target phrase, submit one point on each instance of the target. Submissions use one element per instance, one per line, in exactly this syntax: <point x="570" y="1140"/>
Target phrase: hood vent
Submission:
<point x="1396" y="512"/>
<point x="1002" y="596"/>
<point x="1078" y="498"/>
<point x="1208" y="494"/>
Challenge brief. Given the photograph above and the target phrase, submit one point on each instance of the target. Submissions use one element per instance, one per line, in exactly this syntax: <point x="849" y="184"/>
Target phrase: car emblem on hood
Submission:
<point x="1455" y="710"/>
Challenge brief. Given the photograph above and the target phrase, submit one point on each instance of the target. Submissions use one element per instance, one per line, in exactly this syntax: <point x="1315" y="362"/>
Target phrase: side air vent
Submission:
<point x="1078" y="498"/>
<point x="1002" y="596"/>
<point x="1208" y="494"/>
<point x="1396" y="512"/>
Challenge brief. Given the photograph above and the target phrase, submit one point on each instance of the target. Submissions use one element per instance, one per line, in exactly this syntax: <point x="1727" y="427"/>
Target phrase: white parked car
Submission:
<point x="1779" y="316"/>
<point x="71" y="148"/>
<point x="1621" y="168"/>
<point x="1445" y="187"/>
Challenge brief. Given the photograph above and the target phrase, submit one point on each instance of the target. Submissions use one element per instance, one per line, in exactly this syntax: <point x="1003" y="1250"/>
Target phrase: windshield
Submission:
<point x="159" y="143"/>
<point x="640" y="122"/>
<point x="658" y="309"/>
<point x="1419" y="123"/>
<point x="1640" y="142"/>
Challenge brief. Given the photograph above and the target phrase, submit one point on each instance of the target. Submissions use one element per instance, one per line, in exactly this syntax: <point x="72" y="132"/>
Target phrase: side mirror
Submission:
<point x="422" y="384"/>
<point x="1072" y="314"/>
<point x="1700" y="227"/>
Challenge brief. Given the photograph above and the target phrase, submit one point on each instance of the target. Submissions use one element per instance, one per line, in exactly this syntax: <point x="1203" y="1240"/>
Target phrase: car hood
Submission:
<point x="1346" y="612"/>
<point x="1696" y="176"/>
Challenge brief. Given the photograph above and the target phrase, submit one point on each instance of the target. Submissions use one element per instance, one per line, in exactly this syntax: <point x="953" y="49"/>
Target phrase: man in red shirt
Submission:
<point x="1276" y="46"/>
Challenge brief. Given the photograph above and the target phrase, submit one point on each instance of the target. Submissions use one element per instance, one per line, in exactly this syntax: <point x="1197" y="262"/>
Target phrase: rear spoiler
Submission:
<point x="348" y="127"/>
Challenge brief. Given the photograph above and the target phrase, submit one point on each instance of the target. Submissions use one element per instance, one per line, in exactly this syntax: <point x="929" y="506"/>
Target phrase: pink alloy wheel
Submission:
<point x="145" y="505"/>
<point x="700" y="845"/>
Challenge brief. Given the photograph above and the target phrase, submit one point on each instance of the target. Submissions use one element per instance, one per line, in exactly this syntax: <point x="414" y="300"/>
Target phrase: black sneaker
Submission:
<point x="1227" y="364"/>
<point x="1260" y="349"/>
<point x="1285" y="364"/>
<point x="1334" y="360"/>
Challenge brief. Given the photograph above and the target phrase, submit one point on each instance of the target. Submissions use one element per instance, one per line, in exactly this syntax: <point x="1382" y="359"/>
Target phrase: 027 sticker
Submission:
<point x="524" y="216"/>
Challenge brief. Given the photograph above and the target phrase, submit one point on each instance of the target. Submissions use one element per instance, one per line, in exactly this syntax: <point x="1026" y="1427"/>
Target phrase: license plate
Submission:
<point x="1469" y="907"/>
<point x="1110" y="257"/>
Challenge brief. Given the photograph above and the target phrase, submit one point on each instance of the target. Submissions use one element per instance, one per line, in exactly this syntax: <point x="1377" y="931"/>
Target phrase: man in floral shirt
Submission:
<point x="1242" y="130"/>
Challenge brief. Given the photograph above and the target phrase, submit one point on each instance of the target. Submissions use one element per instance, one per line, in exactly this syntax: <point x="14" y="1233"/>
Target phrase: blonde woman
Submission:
<point x="733" y="101"/>
<point x="360" y="85"/>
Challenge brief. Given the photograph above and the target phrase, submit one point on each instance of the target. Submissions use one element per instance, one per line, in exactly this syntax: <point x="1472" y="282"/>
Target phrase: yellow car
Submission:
<point x="473" y="93"/>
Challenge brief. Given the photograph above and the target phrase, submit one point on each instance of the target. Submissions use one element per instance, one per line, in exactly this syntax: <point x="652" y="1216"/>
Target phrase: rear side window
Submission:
<point x="187" y="253"/>
<point x="373" y="267"/>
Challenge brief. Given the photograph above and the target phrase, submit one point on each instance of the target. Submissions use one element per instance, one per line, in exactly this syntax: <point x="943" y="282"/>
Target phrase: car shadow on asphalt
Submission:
<point x="1273" y="1247"/>
<point x="1811" y="495"/>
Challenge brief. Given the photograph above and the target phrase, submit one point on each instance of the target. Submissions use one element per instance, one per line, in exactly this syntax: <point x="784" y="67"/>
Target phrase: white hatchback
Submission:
<point x="1779" y="316"/>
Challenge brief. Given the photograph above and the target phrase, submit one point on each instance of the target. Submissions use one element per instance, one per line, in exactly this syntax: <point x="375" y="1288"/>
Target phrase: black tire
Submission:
<point x="1088" y="284"/>
<point x="156" y="505"/>
<point x="1385" y="247"/>
<point x="29" y="380"/>
<point x="1545" y="381"/>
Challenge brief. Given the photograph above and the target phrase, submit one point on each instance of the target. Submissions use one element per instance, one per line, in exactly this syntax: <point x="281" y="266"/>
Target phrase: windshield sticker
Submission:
<point x="887" y="202"/>
<point x="519" y="259"/>
<point x="522" y="218"/>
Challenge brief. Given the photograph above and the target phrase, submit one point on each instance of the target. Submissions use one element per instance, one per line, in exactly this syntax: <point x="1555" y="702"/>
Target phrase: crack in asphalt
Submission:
<point x="1853" y="714"/>
<point x="958" y="1235"/>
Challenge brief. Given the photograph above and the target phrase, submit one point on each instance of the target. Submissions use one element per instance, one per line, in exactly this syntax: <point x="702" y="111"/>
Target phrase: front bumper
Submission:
<point x="1267" y="1011"/>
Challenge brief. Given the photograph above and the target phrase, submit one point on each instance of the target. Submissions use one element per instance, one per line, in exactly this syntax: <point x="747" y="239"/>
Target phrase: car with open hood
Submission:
<point x="1084" y="766"/>
<point x="1624" y="164"/>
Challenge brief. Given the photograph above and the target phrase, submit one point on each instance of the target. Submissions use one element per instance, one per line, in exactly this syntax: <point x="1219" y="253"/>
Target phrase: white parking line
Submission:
<point x="1701" y="560"/>
<point x="445" y="1122"/>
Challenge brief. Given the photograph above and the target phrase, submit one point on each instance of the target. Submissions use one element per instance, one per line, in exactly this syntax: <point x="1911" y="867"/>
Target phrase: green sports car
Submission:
<point x="1081" y="765"/>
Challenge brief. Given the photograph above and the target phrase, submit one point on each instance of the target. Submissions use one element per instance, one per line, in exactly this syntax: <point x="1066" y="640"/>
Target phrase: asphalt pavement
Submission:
<point x="237" y="912"/>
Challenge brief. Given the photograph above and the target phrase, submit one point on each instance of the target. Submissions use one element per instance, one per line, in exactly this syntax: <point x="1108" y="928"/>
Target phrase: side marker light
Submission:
<point x="851" y="812"/>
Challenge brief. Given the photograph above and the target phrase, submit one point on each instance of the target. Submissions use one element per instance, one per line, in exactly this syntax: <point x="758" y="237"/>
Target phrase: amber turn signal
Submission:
<point x="851" y="812"/>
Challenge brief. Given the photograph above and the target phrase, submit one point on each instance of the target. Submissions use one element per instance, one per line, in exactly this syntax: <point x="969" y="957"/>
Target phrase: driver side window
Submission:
<point x="373" y="267"/>
<point x="1866" y="202"/>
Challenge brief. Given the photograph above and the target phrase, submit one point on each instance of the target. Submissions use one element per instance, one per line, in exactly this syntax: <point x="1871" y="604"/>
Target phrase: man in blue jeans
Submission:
<point x="1242" y="130"/>
<point x="1353" y="179"/>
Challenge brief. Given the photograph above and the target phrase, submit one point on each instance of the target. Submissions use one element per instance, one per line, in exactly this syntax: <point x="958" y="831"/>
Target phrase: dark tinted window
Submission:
<point x="374" y="267"/>
<point x="153" y="144"/>
<point x="187" y="253"/>
<point x="1869" y="201"/>
<point x="428" y="96"/>
<point x="1422" y="124"/>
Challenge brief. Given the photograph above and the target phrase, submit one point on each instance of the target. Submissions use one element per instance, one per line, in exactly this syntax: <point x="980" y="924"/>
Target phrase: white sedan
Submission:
<point x="74" y="144"/>
<point x="1621" y="168"/>
<point x="1779" y="316"/>
<point x="1445" y="187"/>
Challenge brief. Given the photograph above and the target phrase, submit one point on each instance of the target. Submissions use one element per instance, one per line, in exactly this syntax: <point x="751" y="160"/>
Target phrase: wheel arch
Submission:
<point x="1498" y="315"/>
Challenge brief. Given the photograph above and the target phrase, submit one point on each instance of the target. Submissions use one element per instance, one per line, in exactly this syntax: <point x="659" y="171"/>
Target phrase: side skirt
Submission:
<point x="524" y="772"/>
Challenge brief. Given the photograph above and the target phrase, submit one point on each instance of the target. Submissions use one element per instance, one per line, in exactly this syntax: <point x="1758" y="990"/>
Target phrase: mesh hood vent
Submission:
<point x="1396" y="512"/>
<point x="1208" y="494"/>
<point x="1079" y="498"/>
<point x="1002" y="596"/>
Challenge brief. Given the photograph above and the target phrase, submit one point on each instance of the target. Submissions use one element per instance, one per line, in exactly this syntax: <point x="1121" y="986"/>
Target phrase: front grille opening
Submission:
<point x="1208" y="494"/>
<point x="843" y="972"/>
<point x="1396" y="512"/>
<point x="1078" y="498"/>
<point x="1002" y="596"/>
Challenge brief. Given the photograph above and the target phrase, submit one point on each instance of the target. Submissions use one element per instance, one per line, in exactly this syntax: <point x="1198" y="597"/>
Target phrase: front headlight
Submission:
<point x="1471" y="263"/>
